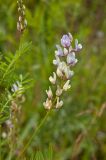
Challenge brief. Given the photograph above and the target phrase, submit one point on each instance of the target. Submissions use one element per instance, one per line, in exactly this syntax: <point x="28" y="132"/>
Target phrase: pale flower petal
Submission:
<point x="48" y="104"/>
<point x="78" y="46"/>
<point x="49" y="93"/>
<point x="65" y="51"/>
<point x="71" y="60"/>
<point x="56" y="61"/>
<point x="53" y="79"/>
<point x="67" y="86"/>
<point x="59" y="91"/>
<point x="59" y="104"/>
<point x="59" y="51"/>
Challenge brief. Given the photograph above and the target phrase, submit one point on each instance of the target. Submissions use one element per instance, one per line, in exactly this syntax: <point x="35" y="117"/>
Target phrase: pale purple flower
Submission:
<point x="71" y="60"/>
<point x="59" y="51"/>
<point x="15" y="88"/>
<point x="68" y="72"/>
<point x="65" y="41"/>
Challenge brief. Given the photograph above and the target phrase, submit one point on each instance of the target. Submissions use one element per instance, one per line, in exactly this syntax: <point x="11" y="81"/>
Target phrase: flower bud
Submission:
<point x="65" y="41"/>
<point x="59" y="104"/>
<point x="56" y="61"/>
<point x="65" y="51"/>
<point x="78" y="46"/>
<point x="49" y="93"/>
<point x="58" y="91"/>
<point x="66" y="85"/>
<point x="53" y="79"/>
<point x="48" y="104"/>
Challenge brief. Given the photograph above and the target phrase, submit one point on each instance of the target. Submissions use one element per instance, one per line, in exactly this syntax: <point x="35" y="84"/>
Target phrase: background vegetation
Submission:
<point x="78" y="130"/>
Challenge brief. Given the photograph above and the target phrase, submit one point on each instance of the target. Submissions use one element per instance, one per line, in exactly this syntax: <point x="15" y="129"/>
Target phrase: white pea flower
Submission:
<point x="47" y="104"/>
<point x="53" y="79"/>
<point x="59" y="91"/>
<point x="71" y="60"/>
<point x="59" y="104"/>
<point x="67" y="85"/>
<point x="56" y="61"/>
<point x="49" y="93"/>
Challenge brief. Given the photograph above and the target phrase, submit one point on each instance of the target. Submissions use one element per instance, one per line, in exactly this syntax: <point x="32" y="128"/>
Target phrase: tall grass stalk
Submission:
<point x="34" y="134"/>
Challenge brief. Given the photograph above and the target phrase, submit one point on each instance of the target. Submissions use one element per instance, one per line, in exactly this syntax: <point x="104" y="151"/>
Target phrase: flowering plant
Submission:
<point x="65" y="59"/>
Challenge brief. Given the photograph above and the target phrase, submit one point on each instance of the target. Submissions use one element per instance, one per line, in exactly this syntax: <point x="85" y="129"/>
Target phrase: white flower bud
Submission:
<point x="4" y="135"/>
<point x="70" y="36"/>
<point x="59" y="72"/>
<point x="66" y="86"/>
<point x="53" y="79"/>
<point x="20" y="18"/>
<point x="56" y="61"/>
<point x="49" y="93"/>
<point x="80" y="46"/>
<point x="70" y="49"/>
<point x="18" y="26"/>
<point x="58" y="91"/>
<point x="65" y="51"/>
<point x="48" y="104"/>
<point x="59" y="104"/>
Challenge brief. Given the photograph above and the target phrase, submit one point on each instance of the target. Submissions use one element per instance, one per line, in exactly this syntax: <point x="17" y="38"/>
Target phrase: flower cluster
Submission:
<point x="22" y="22"/>
<point x="65" y="58"/>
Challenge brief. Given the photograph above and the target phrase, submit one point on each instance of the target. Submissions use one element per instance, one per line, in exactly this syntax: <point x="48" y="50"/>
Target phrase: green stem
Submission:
<point x="0" y="141"/>
<point x="34" y="133"/>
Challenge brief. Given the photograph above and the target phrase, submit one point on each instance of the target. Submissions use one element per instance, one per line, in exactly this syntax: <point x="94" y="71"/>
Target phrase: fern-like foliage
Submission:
<point x="7" y="77"/>
<point x="10" y="61"/>
<point x="46" y="155"/>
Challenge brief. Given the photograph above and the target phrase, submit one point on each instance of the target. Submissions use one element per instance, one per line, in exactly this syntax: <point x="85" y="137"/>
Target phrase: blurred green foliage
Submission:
<point x="78" y="130"/>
